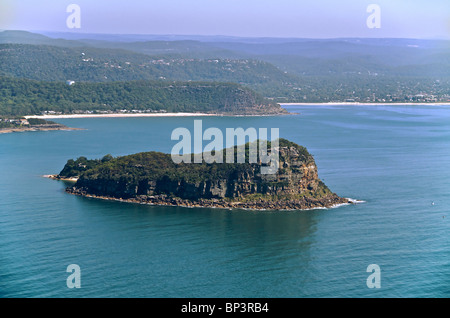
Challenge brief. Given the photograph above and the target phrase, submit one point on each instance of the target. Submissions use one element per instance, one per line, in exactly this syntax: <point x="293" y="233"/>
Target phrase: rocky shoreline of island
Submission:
<point x="36" y="128"/>
<point x="153" y="178"/>
<point x="305" y="203"/>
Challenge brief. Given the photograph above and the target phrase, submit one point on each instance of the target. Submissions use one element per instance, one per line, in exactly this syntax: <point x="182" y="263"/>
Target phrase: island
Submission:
<point x="153" y="178"/>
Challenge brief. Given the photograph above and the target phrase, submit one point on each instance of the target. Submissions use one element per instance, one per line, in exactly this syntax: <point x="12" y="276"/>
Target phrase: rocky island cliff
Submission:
<point x="153" y="178"/>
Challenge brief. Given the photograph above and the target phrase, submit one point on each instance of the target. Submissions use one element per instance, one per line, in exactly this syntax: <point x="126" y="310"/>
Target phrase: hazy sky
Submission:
<point x="259" y="18"/>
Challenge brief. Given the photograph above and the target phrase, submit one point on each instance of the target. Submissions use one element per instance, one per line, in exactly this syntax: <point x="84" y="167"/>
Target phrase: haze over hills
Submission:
<point x="105" y="65"/>
<point x="286" y="70"/>
<point x="393" y="52"/>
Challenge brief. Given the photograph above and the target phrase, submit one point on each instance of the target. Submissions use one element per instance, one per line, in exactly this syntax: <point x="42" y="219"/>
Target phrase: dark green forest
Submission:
<point x="49" y="63"/>
<point x="19" y="97"/>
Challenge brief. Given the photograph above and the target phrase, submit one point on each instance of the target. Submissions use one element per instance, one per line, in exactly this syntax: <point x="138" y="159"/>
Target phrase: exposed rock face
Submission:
<point x="240" y="101"/>
<point x="155" y="179"/>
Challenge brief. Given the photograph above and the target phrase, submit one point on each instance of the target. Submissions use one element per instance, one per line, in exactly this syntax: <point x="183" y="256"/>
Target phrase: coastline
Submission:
<point x="136" y="115"/>
<point x="12" y="130"/>
<point x="364" y="104"/>
<point x="329" y="202"/>
<point x="115" y="115"/>
<point x="121" y="115"/>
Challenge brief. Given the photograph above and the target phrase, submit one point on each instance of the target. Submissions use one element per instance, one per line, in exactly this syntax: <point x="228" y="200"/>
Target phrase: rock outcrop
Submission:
<point x="153" y="178"/>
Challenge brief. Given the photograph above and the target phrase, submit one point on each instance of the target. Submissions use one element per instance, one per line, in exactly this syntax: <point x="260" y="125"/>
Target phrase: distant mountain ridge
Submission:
<point x="284" y="70"/>
<point x="52" y="63"/>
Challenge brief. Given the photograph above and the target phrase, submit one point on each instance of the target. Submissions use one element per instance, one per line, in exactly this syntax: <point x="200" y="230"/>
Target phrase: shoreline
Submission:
<point x="137" y="115"/>
<point x="332" y="202"/>
<point x="237" y="205"/>
<point x="33" y="129"/>
<point x="364" y="104"/>
<point x="127" y="115"/>
<point x="115" y="115"/>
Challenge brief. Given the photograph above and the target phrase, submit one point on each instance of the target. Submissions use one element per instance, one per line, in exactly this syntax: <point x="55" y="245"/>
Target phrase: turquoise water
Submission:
<point x="396" y="159"/>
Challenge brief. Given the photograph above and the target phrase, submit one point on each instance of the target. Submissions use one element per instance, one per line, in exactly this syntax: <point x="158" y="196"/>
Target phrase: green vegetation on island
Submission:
<point x="75" y="168"/>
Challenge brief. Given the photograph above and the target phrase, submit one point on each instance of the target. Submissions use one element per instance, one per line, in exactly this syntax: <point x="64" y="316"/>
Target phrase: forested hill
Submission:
<point x="19" y="97"/>
<point x="284" y="70"/>
<point x="87" y="64"/>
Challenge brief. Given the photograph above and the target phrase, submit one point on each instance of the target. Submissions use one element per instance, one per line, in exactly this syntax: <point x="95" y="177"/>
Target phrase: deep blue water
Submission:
<point x="396" y="158"/>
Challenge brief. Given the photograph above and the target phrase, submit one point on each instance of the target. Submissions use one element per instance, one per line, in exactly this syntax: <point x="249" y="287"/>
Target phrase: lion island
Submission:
<point x="154" y="178"/>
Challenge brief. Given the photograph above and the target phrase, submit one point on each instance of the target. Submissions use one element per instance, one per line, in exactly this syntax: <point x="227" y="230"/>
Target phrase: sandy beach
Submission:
<point x="365" y="104"/>
<point x="117" y="115"/>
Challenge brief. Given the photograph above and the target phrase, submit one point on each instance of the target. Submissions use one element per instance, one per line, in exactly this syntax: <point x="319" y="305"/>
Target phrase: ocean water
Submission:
<point x="395" y="158"/>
